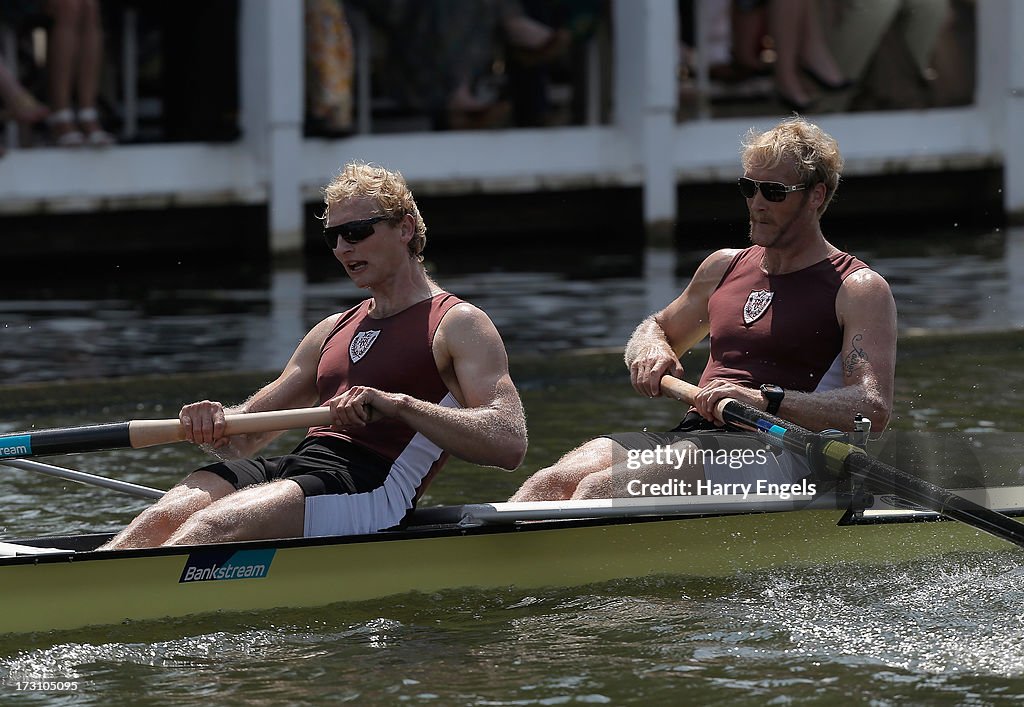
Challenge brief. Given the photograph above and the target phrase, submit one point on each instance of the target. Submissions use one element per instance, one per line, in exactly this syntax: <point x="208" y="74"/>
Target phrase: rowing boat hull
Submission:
<point x="101" y="588"/>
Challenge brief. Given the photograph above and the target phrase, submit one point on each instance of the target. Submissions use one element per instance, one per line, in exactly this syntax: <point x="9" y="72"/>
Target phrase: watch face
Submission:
<point x="774" y="395"/>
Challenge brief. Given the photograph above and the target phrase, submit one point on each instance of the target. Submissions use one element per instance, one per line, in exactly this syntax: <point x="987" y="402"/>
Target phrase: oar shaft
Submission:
<point x="839" y="458"/>
<point x="879" y="475"/>
<point x="83" y="478"/>
<point x="146" y="433"/>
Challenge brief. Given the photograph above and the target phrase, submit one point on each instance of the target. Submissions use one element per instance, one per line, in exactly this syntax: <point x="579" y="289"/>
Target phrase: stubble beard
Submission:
<point x="780" y="233"/>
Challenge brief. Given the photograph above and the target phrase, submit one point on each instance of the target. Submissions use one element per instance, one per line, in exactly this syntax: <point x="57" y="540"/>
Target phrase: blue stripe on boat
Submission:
<point x="15" y="446"/>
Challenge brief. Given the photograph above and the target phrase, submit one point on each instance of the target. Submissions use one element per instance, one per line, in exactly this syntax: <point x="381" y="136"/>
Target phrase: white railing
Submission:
<point x="642" y="146"/>
<point x="9" y="48"/>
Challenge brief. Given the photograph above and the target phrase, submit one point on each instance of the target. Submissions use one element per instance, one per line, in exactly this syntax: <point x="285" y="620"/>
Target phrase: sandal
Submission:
<point x="63" y="129"/>
<point x="94" y="134"/>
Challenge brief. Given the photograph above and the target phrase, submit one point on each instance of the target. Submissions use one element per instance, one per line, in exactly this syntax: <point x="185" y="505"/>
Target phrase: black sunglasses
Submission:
<point x="352" y="232"/>
<point x="772" y="191"/>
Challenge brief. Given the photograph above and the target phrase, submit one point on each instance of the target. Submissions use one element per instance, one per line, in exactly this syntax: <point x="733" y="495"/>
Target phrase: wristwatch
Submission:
<point x="774" y="395"/>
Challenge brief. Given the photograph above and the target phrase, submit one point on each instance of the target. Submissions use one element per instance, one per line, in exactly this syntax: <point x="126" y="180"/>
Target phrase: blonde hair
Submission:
<point x="358" y="180"/>
<point x="802" y="144"/>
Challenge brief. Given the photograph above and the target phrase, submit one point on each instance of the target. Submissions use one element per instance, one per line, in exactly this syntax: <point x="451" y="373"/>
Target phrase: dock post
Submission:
<point x="1013" y="167"/>
<point x="999" y="93"/>
<point x="273" y="103"/>
<point x="645" y="107"/>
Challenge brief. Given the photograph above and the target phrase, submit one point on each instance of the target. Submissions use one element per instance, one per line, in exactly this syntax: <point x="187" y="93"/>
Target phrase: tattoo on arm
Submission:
<point x="856" y="357"/>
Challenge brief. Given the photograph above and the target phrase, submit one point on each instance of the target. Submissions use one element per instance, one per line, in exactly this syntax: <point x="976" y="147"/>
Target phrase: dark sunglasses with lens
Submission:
<point x="772" y="191"/>
<point x="351" y="232"/>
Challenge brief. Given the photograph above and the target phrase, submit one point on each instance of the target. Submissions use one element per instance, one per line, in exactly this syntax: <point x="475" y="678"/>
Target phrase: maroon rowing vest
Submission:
<point x="394" y="354"/>
<point x="779" y="329"/>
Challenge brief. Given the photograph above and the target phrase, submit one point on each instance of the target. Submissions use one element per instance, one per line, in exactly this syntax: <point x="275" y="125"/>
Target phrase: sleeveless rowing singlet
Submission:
<point x="393" y="354"/>
<point x="779" y="329"/>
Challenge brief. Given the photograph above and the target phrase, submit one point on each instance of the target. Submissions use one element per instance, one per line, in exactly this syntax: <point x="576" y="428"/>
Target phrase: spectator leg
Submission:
<point x="924" y="23"/>
<point x="90" y="55"/>
<point x="857" y="32"/>
<point x="787" y="20"/>
<point x="62" y="52"/>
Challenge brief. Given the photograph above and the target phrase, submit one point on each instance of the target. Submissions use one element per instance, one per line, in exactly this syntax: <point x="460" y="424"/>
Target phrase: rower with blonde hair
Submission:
<point x="797" y="327"/>
<point x="412" y="375"/>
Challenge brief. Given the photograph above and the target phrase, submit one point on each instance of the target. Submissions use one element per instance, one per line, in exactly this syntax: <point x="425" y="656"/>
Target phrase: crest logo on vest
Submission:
<point x="757" y="304"/>
<point x="361" y="343"/>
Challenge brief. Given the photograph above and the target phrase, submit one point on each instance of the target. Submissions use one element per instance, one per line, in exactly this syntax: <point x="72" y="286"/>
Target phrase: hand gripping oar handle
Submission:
<point x="681" y="390"/>
<point x="147" y="433"/>
<point x="841" y="458"/>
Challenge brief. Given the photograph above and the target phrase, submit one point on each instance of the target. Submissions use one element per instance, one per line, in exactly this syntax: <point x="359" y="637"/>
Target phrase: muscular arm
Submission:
<point x="295" y="387"/>
<point x="655" y="346"/>
<point x="489" y="429"/>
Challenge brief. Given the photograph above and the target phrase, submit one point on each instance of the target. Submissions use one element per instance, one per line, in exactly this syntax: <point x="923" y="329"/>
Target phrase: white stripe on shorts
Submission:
<point x="384" y="506"/>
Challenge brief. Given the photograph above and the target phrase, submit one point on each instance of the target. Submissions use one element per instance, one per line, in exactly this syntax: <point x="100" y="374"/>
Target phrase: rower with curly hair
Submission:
<point x="412" y="375"/>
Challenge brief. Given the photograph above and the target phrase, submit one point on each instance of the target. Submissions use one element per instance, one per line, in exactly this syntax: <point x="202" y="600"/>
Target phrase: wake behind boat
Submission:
<point x="65" y="583"/>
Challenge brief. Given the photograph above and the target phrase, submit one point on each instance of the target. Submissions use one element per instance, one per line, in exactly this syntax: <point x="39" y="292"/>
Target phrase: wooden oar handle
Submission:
<point x="146" y="433"/>
<point x="681" y="390"/>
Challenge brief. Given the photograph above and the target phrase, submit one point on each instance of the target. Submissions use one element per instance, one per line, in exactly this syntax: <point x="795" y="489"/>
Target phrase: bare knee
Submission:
<point x="595" y="455"/>
<point x="597" y="485"/>
<point x="551" y="484"/>
<point x="559" y="481"/>
<point x="163" y="514"/>
<point x="205" y="526"/>
<point x="154" y="525"/>
<point x="180" y="502"/>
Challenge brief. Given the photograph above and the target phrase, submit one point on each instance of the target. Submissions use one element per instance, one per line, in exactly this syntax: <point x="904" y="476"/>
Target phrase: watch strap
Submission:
<point x="774" y="395"/>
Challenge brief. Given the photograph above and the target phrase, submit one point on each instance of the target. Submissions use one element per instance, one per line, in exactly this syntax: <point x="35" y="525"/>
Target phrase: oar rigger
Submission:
<point x="842" y="458"/>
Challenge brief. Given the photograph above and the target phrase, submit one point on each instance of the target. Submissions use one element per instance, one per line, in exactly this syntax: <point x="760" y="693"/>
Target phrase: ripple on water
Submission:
<point x="913" y="630"/>
<point x="960" y="616"/>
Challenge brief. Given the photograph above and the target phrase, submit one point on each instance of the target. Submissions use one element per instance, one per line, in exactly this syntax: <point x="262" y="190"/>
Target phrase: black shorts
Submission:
<point x="733" y="456"/>
<point x="694" y="427"/>
<point x="319" y="465"/>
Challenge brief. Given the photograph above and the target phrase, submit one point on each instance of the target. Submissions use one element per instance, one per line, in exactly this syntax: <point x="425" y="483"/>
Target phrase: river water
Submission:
<point x="56" y="329"/>
<point x="945" y="631"/>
